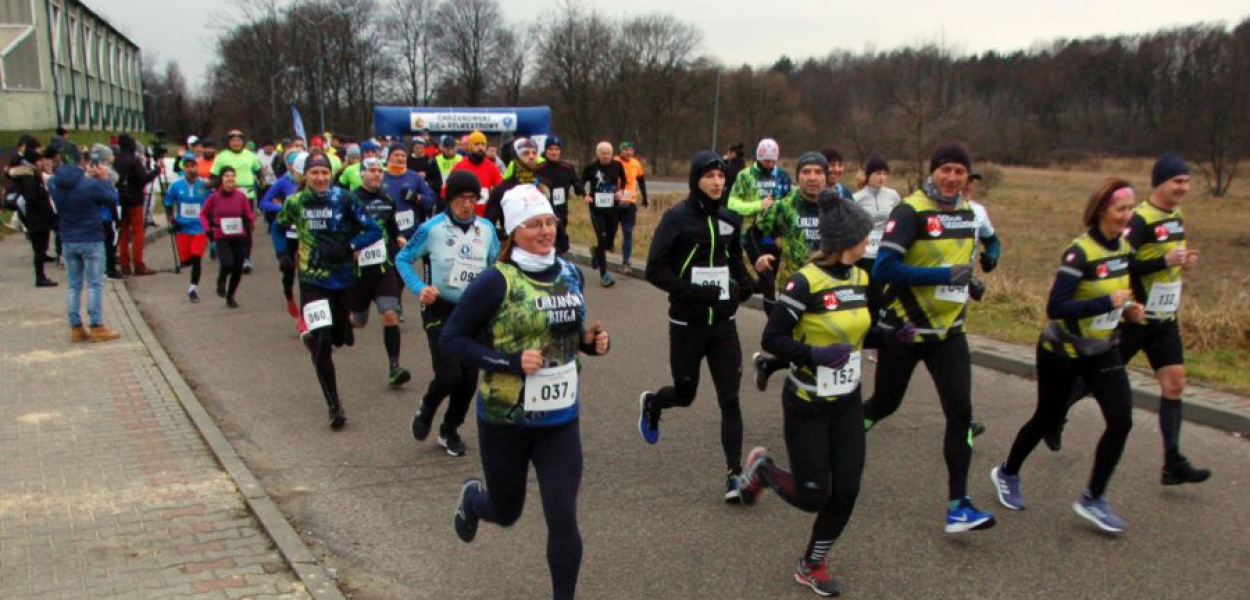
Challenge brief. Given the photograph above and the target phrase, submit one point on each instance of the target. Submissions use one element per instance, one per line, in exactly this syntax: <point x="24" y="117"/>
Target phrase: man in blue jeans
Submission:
<point x="80" y="196"/>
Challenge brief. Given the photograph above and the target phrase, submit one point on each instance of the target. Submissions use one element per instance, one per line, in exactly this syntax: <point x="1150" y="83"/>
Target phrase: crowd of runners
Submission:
<point x="474" y="242"/>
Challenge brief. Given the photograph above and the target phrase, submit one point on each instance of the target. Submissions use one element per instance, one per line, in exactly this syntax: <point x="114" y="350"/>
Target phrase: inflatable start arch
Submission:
<point x="533" y="122"/>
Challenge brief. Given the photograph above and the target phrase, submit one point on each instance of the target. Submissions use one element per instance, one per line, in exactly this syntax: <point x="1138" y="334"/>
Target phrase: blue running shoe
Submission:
<point x="648" y="419"/>
<point x="1008" y="488"/>
<point x="966" y="517"/>
<point x="1099" y="513"/>
<point x="465" y="521"/>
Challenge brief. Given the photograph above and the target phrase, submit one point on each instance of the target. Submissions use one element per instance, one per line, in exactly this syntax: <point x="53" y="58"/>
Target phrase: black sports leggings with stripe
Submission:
<point x="949" y="363"/>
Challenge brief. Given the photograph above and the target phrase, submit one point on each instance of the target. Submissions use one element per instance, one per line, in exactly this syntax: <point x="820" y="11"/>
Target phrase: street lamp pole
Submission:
<point x="273" y="99"/>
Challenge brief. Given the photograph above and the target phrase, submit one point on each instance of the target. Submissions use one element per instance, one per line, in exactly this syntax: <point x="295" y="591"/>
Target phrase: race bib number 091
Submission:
<point x="553" y="388"/>
<point x="463" y="272"/>
<point x="717" y="276"/>
<point x="317" y="314"/>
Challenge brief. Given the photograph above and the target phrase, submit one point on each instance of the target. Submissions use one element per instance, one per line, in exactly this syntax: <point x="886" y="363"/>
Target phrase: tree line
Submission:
<point x="646" y="79"/>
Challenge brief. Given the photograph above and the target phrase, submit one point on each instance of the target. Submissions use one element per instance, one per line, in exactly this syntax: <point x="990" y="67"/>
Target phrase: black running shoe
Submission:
<point x="1183" y="472"/>
<point x="452" y="444"/>
<point x="976" y="427"/>
<point x="760" y="362"/>
<point x="338" y="418"/>
<point x="420" y="425"/>
<point x="399" y="376"/>
<point x="465" y="521"/>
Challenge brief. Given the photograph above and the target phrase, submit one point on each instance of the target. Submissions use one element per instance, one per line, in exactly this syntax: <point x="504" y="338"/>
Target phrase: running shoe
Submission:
<point x="753" y="483"/>
<point x="817" y="577"/>
<point x="594" y="258"/>
<point x="452" y="444"/>
<point x="399" y="376"/>
<point x="421" y="425"/>
<point x="966" y="517"/>
<point x="292" y="308"/>
<point x="1183" y="472"/>
<point x="465" y="521"/>
<point x="760" y="362"/>
<point x="733" y="487"/>
<point x="338" y="418"/>
<point x="221" y="289"/>
<point x="626" y="269"/>
<point x="648" y="419"/>
<point x="1099" y="513"/>
<point x="194" y="296"/>
<point x="247" y="266"/>
<point x="607" y="281"/>
<point x="230" y="302"/>
<point x="976" y="427"/>
<point x="1008" y="488"/>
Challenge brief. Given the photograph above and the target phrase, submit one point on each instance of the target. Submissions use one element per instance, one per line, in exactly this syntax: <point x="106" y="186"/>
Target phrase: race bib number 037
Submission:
<point x="553" y="388"/>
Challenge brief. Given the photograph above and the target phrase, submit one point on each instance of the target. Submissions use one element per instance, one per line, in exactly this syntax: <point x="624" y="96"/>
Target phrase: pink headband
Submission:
<point x="1122" y="193"/>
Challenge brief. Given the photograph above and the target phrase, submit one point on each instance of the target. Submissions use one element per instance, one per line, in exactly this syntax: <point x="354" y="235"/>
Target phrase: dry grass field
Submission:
<point x="1037" y="213"/>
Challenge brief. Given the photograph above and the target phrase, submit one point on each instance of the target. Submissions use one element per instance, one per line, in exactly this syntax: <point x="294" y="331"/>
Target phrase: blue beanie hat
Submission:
<point x="1168" y="166"/>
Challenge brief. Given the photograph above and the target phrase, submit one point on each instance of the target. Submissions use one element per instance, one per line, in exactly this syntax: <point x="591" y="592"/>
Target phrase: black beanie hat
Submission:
<point x="842" y="224"/>
<point x="317" y="159"/>
<point x="460" y="182"/>
<point x="812" y="158"/>
<point x="950" y="152"/>
<point x="1168" y="166"/>
<point x="704" y="161"/>
<point x="395" y="148"/>
<point x="875" y="163"/>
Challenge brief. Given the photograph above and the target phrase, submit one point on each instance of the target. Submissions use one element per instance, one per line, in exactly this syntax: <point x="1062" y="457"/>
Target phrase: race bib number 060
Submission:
<point x="317" y="314"/>
<point x="551" y="389"/>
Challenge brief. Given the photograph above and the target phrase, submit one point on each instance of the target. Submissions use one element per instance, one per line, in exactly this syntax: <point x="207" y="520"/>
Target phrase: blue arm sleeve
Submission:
<point x="407" y="258"/>
<point x="269" y="202"/>
<point x="1063" y="305"/>
<point x="370" y="232"/>
<point x="890" y="268"/>
<point x="993" y="247"/>
<point x="480" y="300"/>
<point x="428" y="198"/>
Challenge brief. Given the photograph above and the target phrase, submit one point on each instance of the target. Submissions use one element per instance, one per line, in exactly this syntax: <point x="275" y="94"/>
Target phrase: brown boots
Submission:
<point x="98" y="333"/>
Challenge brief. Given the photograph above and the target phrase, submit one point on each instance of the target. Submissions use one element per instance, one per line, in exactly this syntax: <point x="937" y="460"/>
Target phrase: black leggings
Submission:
<point x="286" y="264"/>
<point x="556" y="452"/>
<point x="321" y="341"/>
<point x="110" y="246"/>
<point x="39" y="244"/>
<point x="1056" y="376"/>
<point x="605" y="224"/>
<point x="231" y="252"/>
<point x="825" y="443"/>
<point x="453" y="378"/>
<point x="688" y="346"/>
<point x="950" y="365"/>
<point x="196" y="263"/>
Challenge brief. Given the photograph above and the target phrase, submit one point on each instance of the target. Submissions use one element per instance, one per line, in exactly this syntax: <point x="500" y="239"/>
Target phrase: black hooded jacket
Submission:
<point x="131" y="176"/>
<point x="698" y="232"/>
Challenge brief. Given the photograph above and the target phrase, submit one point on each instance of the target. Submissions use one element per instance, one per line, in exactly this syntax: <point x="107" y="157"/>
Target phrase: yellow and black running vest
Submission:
<point x="835" y="312"/>
<point x="1101" y="271"/>
<point x="944" y="238"/>
<point x="1156" y="232"/>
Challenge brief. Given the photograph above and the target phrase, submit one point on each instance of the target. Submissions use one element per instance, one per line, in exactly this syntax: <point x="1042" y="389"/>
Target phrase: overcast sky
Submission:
<point x="757" y="32"/>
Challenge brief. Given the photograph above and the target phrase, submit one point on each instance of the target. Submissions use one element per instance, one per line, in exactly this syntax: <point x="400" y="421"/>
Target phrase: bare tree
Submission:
<point x="408" y="26"/>
<point x="924" y="84"/>
<point x="575" y="74"/>
<point x="472" y="33"/>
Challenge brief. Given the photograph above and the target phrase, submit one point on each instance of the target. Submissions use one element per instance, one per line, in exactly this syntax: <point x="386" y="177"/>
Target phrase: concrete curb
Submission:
<point x="315" y="577"/>
<point x="1203" y="405"/>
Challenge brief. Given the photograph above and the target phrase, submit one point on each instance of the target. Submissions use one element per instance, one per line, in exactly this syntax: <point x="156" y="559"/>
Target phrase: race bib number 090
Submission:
<point x="375" y="254"/>
<point x="840" y="382"/>
<point x="553" y="388"/>
<point x="317" y="314"/>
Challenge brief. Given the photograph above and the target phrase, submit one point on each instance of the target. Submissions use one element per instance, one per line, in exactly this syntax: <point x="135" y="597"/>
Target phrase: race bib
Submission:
<point x="724" y="228"/>
<point x="1164" y="297"/>
<point x="405" y="220"/>
<point x="839" y="382"/>
<point x="292" y="234"/>
<point x="717" y="276"/>
<point x="464" y="271"/>
<point x="375" y="254"/>
<point x="874" y="243"/>
<point x="188" y="211"/>
<point x="557" y="197"/>
<point x="1107" y="321"/>
<point x="232" y="226"/>
<point x="604" y="199"/>
<point x="317" y="314"/>
<point x="551" y="389"/>
<point x="952" y="293"/>
<point x="485" y="196"/>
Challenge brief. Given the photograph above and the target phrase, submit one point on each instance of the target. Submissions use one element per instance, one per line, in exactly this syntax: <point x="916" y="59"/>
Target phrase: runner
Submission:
<point x="879" y="201"/>
<point x="426" y="167"/>
<point x="185" y="202"/>
<point x="350" y="177"/>
<point x="820" y="326"/>
<point x="602" y="182"/>
<point x="332" y="230"/>
<point x="836" y="166"/>
<point x="926" y="258"/>
<point x="1089" y="295"/>
<point x="627" y="211"/>
<point x="285" y="239"/>
<point x="414" y="200"/>
<point x="562" y="180"/>
<point x="522" y="170"/>
<point x="1160" y="258"/>
<point x="528" y="403"/>
<point x="754" y="192"/>
<point x="457" y="246"/>
<point x="447" y="158"/>
<point x="227" y="217"/>
<point x="247" y="172"/>
<point x="696" y="256"/>
<point x="377" y="281"/>
<point x="795" y="221"/>
<point x="482" y="166"/>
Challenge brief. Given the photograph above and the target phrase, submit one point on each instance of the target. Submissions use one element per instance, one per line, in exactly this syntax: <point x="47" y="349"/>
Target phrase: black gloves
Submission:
<point x="961" y="274"/>
<point x="174" y="226"/>
<point x="704" y="293"/>
<point x="834" y="356"/>
<point x="745" y="291"/>
<point x="976" y="288"/>
<point x="988" y="263"/>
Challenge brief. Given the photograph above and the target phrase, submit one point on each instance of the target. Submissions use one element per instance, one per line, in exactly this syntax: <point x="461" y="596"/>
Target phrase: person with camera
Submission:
<point x="133" y="177"/>
<point x="81" y="197"/>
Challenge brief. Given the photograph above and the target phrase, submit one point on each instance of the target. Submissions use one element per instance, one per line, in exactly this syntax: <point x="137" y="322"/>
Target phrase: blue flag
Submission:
<point x="299" y="123"/>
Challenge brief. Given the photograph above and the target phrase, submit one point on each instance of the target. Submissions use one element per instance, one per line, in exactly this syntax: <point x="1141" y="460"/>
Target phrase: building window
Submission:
<point x="17" y="12"/>
<point x="19" y="62"/>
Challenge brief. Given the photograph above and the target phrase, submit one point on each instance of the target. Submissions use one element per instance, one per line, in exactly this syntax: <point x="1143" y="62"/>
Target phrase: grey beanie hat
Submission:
<point x="842" y="223"/>
<point x="812" y="158"/>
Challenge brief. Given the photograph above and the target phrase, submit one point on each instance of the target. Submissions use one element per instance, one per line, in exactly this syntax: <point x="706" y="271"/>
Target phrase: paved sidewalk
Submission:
<point x="107" y="488"/>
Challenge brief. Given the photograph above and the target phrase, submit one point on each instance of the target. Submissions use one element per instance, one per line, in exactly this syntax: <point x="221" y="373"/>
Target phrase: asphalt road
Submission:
<point x="378" y="507"/>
